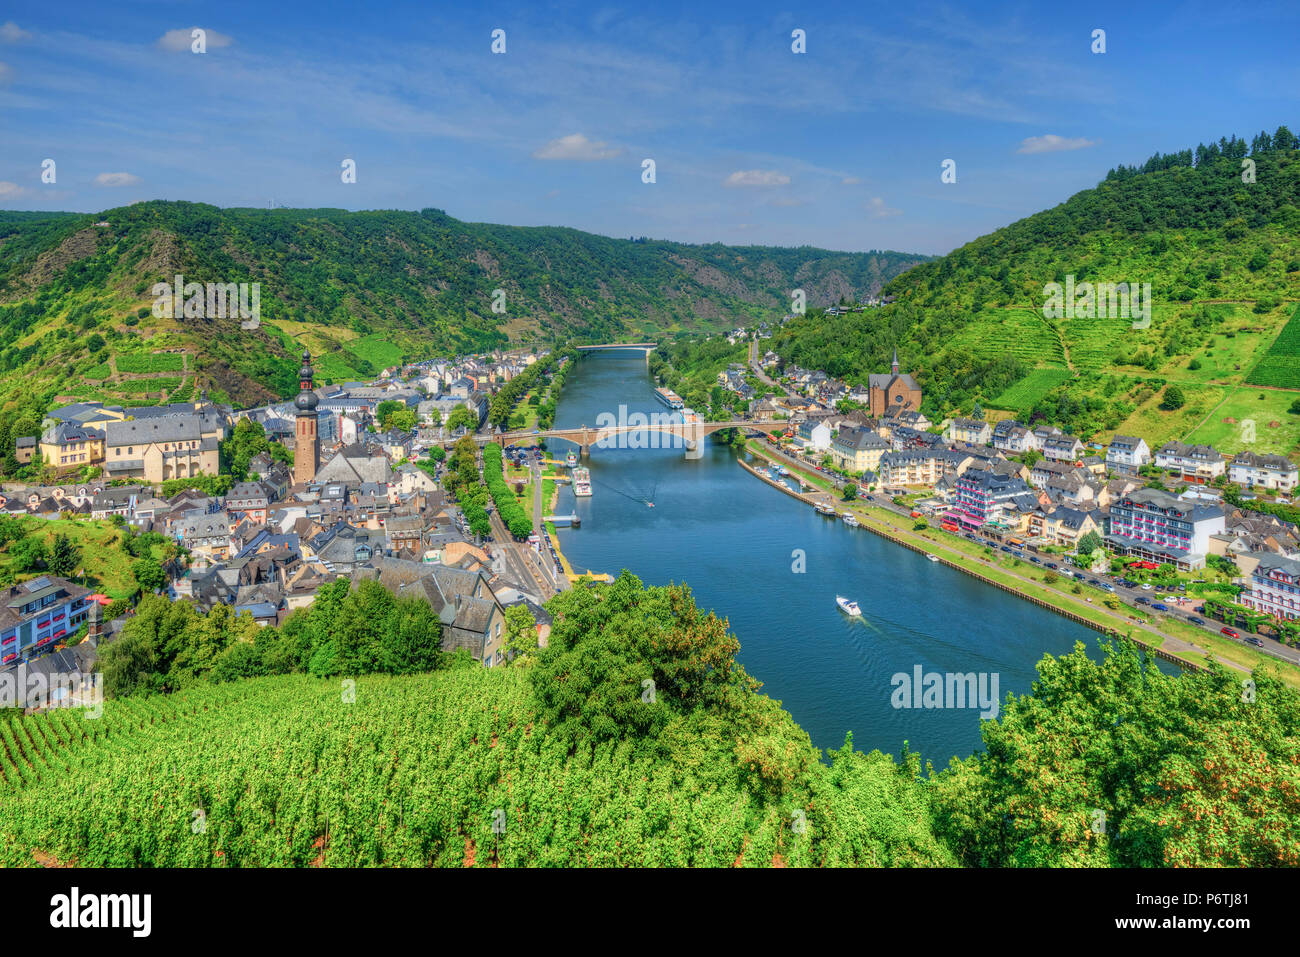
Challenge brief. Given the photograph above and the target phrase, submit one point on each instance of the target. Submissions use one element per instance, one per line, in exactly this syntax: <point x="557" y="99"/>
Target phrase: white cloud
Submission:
<point x="10" y="191"/>
<point x="1051" y="143"/>
<point x="756" y="177"/>
<point x="850" y="181"/>
<point x="116" y="179"/>
<point x="10" y="32"/>
<point x="183" y="40"/>
<point x="880" y="209"/>
<point x="575" y="146"/>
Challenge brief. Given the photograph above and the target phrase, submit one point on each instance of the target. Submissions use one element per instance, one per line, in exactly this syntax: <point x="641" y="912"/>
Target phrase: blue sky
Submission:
<point x="839" y="147"/>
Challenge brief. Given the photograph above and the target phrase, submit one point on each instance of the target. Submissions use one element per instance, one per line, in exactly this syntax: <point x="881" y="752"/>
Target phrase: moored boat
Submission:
<point x="850" y="520"/>
<point x="571" y="460"/>
<point x="581" y="482"/>
<point x="933" y="558"/>
<point x="823" y="509"/>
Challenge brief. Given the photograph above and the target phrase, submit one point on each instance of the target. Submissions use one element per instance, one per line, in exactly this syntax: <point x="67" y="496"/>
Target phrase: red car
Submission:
<point x="1230" y="632"/>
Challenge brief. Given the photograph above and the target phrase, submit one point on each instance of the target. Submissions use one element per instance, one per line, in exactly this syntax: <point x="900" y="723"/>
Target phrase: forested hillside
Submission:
<point x="361" y="289"/>
<point x="1222" y="257"/>
<point x="633" y="739"/>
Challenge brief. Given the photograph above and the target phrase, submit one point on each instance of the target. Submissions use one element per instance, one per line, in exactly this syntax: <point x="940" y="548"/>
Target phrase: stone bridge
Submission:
<point x="687" y="435"/>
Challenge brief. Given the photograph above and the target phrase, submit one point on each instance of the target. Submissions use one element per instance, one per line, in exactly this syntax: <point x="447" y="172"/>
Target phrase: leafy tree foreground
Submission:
<point x="633" y="739"/>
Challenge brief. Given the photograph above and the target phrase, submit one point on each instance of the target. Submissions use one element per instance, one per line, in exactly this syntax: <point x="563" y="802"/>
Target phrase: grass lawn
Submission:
<point x="107" y="567"/>
<point x="1226" y="358"/>
<point x="376" y="350"/>
<point x="1262" y="406"/>
<point x="1158" y="426"/>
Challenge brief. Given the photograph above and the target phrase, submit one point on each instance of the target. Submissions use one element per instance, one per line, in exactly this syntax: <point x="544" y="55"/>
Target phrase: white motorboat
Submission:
<point x="848" y="606"/>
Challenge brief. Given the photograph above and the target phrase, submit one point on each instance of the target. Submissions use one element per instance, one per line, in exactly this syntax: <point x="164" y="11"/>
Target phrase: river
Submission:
<point x="737" y="543"/>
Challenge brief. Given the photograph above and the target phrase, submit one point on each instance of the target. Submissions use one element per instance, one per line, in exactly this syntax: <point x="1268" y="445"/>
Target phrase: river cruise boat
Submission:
<point x="669" y="398"/>
<point x="571" y="460"/>
<point x="848" y="606"/>
<point x="850" y="520"/>
<point x="581" y="482"/>
<point x="823" y="509"/>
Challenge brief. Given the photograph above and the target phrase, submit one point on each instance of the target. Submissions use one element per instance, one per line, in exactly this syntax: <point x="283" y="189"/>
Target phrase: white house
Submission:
<point x="1127" y="453"/>
<point x="1251" y="470"/>
<point x="815" y="435"/>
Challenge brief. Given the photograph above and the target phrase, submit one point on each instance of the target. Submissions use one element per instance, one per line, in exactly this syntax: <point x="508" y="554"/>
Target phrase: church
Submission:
<point x="892" y="393"/>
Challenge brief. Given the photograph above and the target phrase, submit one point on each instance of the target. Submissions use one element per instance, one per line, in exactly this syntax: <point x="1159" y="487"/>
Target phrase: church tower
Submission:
<point x="306" y="446"/>
<point x="894" y="367"/>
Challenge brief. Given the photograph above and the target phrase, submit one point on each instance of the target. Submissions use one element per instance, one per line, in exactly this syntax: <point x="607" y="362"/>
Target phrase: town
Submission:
<point x="343" y="482"/>
<point x="346" y="481"/>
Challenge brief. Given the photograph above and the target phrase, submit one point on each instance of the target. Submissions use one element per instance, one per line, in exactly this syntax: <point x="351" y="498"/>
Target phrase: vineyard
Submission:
<point x="1025" y="393"/>
<point x="1022" y="333"/>
<point x="446" y="769"/>
<point x="150" y="362"/>
<point x="1280" y="366"/>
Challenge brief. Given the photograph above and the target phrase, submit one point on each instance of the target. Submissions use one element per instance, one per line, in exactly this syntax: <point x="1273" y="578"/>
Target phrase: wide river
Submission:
<point x="736" y="542"/>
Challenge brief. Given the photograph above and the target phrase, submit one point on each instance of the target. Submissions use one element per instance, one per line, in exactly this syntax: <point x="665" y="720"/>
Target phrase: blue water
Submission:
<point x="735" y="541"/>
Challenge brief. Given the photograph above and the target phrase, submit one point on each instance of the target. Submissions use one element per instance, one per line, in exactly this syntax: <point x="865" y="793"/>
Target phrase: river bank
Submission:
<point x="1029" y="583"/>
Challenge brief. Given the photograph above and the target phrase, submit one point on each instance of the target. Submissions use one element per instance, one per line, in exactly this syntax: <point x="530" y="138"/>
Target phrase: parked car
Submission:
<point x="1081" y="576"/>
<point x="1147" y="586"/>
<point x="1035" y="559"/>
<point x="1159" y="607"/>
<point x="1052" y="565"/>
<point x="1199" y="609"/>
<point x="1093" y="582"/>
<point x="1195" y="621"/>
<point x="1004" y="548"/>
<point x="1257" y="642"/>
<point x="1143" y="600"/>
<point x="1230" y="632"/>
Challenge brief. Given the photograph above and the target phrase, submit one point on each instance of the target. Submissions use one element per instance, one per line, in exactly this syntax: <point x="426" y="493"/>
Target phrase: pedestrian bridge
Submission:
<point x="652" y="435"/>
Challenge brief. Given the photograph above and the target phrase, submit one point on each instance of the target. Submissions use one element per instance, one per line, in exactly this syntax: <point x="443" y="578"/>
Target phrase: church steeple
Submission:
<point x="894" y="366"/>
<point x="306" y="445"/>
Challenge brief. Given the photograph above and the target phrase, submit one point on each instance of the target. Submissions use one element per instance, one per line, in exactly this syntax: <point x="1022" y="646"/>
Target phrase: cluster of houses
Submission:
<point x="266" y="546"/>
<point x="972" y="479"/>
<point x="969" y="477"/>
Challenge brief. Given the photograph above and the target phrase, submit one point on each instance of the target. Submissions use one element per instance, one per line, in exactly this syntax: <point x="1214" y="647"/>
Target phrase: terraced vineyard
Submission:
<point x="1018" y="332"/>
<point x="150" y="362"/>
<point x="1092" y="342"/>
<point x="1280" y="366"/>
<point x="442" y="769"/>
<point x="1031" y="388"/>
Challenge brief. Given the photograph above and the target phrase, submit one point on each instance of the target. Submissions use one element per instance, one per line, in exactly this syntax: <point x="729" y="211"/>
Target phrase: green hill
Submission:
<point x="1223" y="261"/>
<point x="361" y="289"/>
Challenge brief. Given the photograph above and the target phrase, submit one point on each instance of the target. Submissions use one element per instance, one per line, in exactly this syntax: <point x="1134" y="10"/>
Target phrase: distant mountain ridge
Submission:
<point x="363" y="289"/>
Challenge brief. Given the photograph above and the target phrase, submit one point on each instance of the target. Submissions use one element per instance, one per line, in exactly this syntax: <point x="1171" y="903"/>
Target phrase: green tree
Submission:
<point x="27" y="555"/>
<point x="1173" y="398"/>
<point x="461" y="417"/>
<point x="521" y="632"/>
<point x="148" y="574"/>
<point x="1088" y="544"/>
